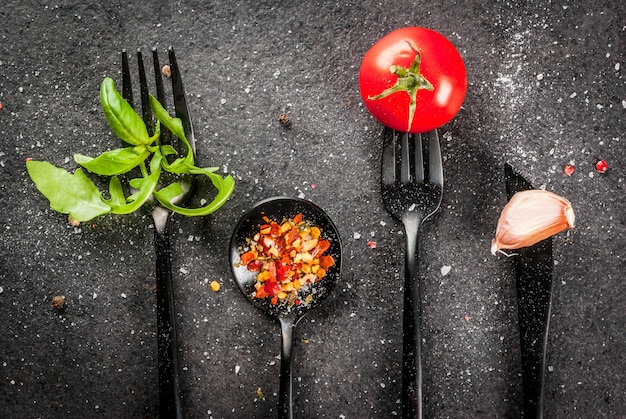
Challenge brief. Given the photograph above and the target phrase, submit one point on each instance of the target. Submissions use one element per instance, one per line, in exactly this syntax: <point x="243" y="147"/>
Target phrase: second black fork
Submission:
<point x="412" y="188"/>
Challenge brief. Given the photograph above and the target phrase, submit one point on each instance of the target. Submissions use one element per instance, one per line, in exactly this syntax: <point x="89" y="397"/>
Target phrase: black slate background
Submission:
<point x="546" y="89"/>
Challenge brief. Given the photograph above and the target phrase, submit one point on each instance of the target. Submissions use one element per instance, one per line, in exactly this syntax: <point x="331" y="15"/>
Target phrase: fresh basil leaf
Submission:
<point x="170" y="192"/>
<point x="73" y="194"/>
<point x="179" y="166"/>
<point x="168" y="150"/>
<point x="175" y="125"/>
<point x="122" y="118"/>
<point x="224" y="186"/>
<point x="145" y="187"/>
<point x="116" y="192"/>
<point x="114" y="162"/>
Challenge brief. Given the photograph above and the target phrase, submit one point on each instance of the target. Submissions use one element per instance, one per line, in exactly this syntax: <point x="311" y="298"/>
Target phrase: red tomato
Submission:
<point x="413" y="79"/>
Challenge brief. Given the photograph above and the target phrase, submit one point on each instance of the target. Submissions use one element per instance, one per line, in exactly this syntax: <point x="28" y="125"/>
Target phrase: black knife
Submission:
<point x="533" y="276"/>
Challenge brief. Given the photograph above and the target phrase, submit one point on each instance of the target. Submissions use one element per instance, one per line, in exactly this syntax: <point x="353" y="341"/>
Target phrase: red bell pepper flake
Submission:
<point x="568" y="170"/>
<point x="602" y="166"/>
<point x="289" y="257"/>
<point x="247" y="257"/>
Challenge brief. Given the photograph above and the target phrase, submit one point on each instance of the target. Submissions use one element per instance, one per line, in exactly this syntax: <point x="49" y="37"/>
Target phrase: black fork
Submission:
<point x="412" y="188"/>
<point x="170" y="395"/>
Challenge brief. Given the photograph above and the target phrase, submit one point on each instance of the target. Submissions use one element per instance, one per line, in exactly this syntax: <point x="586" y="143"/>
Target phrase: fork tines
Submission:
<point x="178" y="92"/>
<point x="403" y="157"/>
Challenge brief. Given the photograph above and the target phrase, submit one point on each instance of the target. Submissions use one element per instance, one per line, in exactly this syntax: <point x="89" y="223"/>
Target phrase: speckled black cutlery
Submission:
<point x="411" y="191"/>
<point x="281" y="208"/>
<point x="533" y="280"/>
<point x="170" y="397"/>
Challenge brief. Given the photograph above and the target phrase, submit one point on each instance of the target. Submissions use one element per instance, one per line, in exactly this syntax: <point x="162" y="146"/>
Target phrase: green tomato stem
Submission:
<point x="410" y="80"/>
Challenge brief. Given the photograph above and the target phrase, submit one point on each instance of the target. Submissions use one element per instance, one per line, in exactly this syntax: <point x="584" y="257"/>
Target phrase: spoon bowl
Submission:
<point x="278" y="209"/>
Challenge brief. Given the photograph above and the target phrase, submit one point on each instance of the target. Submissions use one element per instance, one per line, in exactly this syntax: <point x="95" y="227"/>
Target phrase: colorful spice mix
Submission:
<point x="289" y="257"/>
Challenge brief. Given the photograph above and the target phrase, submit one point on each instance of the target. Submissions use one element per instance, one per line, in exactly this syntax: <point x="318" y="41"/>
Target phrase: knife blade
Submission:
<point x="533" y="279"/>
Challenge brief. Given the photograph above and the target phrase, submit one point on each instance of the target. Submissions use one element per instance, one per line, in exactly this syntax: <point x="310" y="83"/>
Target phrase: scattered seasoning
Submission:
<point x="289" y="257"/>
<point x="259" y="393"/>
<point x="371" y="244"/>
<point x="215" y="286"/>
<point x="0" y="106"/>
<point x="284" y="119"/>
<point x="602" y="166"/>
<point x="58" y="302"/>
<point x="568" y="170"/>
<point x="167" y="71"/>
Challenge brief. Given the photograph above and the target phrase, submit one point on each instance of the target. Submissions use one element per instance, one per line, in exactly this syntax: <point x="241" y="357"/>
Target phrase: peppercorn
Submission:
<point x="284" y="120"/>
<point x="58" y="302"/>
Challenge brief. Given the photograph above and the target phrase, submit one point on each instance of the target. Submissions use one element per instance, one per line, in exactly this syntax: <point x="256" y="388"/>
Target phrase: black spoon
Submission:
<point x="277" y="209"/>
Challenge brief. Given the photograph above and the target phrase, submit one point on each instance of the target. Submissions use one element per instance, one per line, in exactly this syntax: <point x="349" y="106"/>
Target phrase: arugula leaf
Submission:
<point x="73" y="194"/>
<point x="114" y="162"/>
<point x="122" y="118"/>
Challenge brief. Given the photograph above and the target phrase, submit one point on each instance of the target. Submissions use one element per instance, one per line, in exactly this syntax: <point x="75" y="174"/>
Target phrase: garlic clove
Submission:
<point x="531" y="216"/>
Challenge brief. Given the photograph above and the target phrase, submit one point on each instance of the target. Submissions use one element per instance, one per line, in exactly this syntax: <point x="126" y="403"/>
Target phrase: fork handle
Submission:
<point x="170" y="401"/>
<point x="411" y="324"/>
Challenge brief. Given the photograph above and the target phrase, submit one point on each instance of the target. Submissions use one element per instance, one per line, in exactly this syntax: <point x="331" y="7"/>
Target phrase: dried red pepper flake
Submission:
<point x="289" y="257"/>
<point x="371" y="244"/>
<point x="602" y="166"/>
<point x="568" y="170"/>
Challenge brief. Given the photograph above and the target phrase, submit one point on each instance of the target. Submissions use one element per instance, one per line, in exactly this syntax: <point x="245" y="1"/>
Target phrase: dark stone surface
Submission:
<point x="545" y="89"/>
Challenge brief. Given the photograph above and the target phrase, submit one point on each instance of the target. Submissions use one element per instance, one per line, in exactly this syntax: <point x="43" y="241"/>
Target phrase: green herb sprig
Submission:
<point x="77" y="195"/>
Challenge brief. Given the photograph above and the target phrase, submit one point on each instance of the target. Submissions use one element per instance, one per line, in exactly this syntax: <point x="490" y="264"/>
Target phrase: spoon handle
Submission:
<point x="285" y="398"/>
